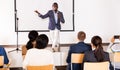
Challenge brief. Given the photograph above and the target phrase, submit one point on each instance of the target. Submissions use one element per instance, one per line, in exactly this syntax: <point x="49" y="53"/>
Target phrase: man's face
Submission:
<point x="55" y="7"/>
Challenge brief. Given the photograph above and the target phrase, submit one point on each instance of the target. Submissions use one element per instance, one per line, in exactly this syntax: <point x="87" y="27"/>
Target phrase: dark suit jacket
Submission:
<point x="80" y="47"/>
<point x="90" y="57"/>
<point x="52" y="23"/>
<point x="3" y="53"/>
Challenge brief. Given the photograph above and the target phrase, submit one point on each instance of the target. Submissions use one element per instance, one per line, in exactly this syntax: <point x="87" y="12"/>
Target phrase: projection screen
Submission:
<point x="29" y="20"/>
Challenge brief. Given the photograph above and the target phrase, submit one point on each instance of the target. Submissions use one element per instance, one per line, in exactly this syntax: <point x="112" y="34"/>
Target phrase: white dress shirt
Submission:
<point x="56" y="16"/>
<point x="38" y="57"/>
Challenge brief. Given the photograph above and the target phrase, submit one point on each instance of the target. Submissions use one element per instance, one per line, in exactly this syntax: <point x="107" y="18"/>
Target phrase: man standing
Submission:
<point x="55" y="17"/>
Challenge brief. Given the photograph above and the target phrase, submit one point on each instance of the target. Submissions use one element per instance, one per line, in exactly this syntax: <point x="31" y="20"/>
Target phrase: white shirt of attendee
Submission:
<point x="38" y="57"/>
<point x="114" y="47"/>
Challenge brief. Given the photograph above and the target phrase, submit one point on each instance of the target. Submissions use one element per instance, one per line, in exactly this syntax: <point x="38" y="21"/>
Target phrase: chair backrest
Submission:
<point x="24" y="50"/>
<point x="1" y="60"/>
<point x="46" y="67"/>
<point x="77" y="58"/>
<point x="117" y="57"/>
<point x="96" y="65"/>
<point x="4" y="69"/>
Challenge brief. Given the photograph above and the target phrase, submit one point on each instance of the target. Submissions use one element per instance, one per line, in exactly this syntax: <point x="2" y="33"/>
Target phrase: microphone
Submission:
<point x="17" y="18"/>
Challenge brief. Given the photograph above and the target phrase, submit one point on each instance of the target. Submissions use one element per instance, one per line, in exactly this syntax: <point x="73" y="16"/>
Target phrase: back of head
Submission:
<point x="99" y="53"/>
<point x="81" y="36"/>
<point x="42" y="41"/>
<point x="32" y="37"/>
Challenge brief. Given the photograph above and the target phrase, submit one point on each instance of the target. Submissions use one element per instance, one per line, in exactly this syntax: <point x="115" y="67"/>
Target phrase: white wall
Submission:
<point x="98" y="17"/>
<point x="7" y="34"/>
<point x="95" y="17"/>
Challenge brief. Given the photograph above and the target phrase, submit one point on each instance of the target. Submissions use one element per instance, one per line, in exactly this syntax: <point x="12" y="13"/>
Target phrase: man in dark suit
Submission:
<point x="80" y="47"/>
<point x="55" y="17"/>
<point x="3" y="53"/>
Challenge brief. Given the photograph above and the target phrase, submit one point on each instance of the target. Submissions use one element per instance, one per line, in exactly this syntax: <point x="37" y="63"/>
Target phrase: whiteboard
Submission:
<point x="29" y="20"/>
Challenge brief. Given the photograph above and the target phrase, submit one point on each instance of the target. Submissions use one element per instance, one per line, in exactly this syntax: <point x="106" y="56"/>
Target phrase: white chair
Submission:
<point x="96" y="65"/>
<point x="116" y="58"/>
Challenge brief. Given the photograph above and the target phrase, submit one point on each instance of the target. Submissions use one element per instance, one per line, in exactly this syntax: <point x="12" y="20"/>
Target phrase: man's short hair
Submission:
<point x="55" y="4"/>
<point x="81" y="35"/>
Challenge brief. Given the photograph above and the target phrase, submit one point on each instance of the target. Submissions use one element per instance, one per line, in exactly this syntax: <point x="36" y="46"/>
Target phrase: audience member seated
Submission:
<point x="3" y="53"/>
<point x="114" y="47"/>
<point x="97" y="54"/>
<point x="80" y="47"/>
<point x="31" y="43"/>
<point x="39" y="56"/>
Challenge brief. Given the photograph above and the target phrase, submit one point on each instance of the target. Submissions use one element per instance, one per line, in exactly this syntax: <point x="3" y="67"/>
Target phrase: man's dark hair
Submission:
<point x="42" y="41"/>
<point x="81" y="35"/>
<point x="55" y="4"/>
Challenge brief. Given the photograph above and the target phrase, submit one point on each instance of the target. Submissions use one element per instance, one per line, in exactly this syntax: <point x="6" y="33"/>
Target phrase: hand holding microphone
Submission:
<point x="37" y="12"/>
<point x="59" y="15"/>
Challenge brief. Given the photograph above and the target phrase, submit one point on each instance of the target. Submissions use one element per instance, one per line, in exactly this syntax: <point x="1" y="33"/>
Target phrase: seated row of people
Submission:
<point x="93" y="53"/>
<point x="37" y="44"/>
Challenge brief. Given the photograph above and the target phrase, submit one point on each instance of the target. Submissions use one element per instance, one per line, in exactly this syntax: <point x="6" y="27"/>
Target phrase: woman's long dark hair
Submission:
<point x="32" y="37"/>
<point x="99" y="53"/>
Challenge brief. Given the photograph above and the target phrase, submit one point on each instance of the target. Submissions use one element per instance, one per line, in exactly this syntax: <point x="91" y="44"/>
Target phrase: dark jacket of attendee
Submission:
<point x="90" y="57"/>
<point x="80" y="47"/>
<point x="3" y="53"/>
